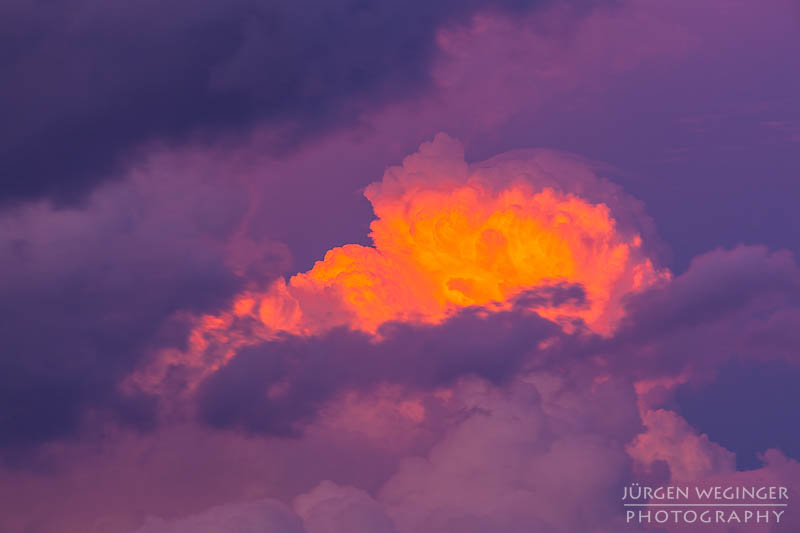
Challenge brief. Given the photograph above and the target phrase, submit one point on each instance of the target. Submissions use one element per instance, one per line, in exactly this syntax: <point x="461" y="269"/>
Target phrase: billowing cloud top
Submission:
<point x="449" y="236"/>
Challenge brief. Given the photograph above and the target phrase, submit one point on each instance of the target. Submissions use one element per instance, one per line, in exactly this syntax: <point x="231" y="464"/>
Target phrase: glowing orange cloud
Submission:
<point x="446" y="236"/>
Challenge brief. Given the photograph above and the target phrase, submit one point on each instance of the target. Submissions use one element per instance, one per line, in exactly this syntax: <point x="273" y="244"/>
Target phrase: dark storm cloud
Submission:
<point x="276" y="386"/>
<point x="728" y="302"/>
<point x="716" y="284"/>
<point x="84" y="81"/>
<point x="68" y="342"/>
<point x="86" y="293"/>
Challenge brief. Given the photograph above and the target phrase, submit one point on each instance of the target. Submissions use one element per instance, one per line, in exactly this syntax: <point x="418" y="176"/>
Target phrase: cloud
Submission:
<point x="88" y="292"/>
<point x="315" y="387"/>
<point x="534" y="454"/>
<point x="515" y="457"/>
<point x="670" y="439"/>
<point x="449" y="236"/>
<point x="552" y="447"/>
<point x="717" y="346"/>
<point x="729" y="304"/>
<point x="716" y="285"/>
<point x="330" y="508"/>
<point x="250" y="517"/>
<point x="108" y="79"/>
<point x="516" y="463"/>
<point x="277" y="386"/>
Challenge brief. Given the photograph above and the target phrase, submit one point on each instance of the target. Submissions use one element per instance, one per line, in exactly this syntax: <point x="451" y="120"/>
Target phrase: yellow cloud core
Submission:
<point x="440" y="246"/>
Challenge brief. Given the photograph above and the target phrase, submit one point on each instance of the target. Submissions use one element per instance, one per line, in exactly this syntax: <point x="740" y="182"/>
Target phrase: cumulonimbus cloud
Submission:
<point x="449" y="236"/>
<point x="201" y="71"/>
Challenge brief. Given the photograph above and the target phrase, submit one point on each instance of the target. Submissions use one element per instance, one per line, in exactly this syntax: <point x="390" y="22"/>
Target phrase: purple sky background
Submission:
<point x="159" y="159"/>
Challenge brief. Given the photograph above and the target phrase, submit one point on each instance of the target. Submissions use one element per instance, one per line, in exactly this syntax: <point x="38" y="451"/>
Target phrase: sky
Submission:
<point x="395" y="267"/>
